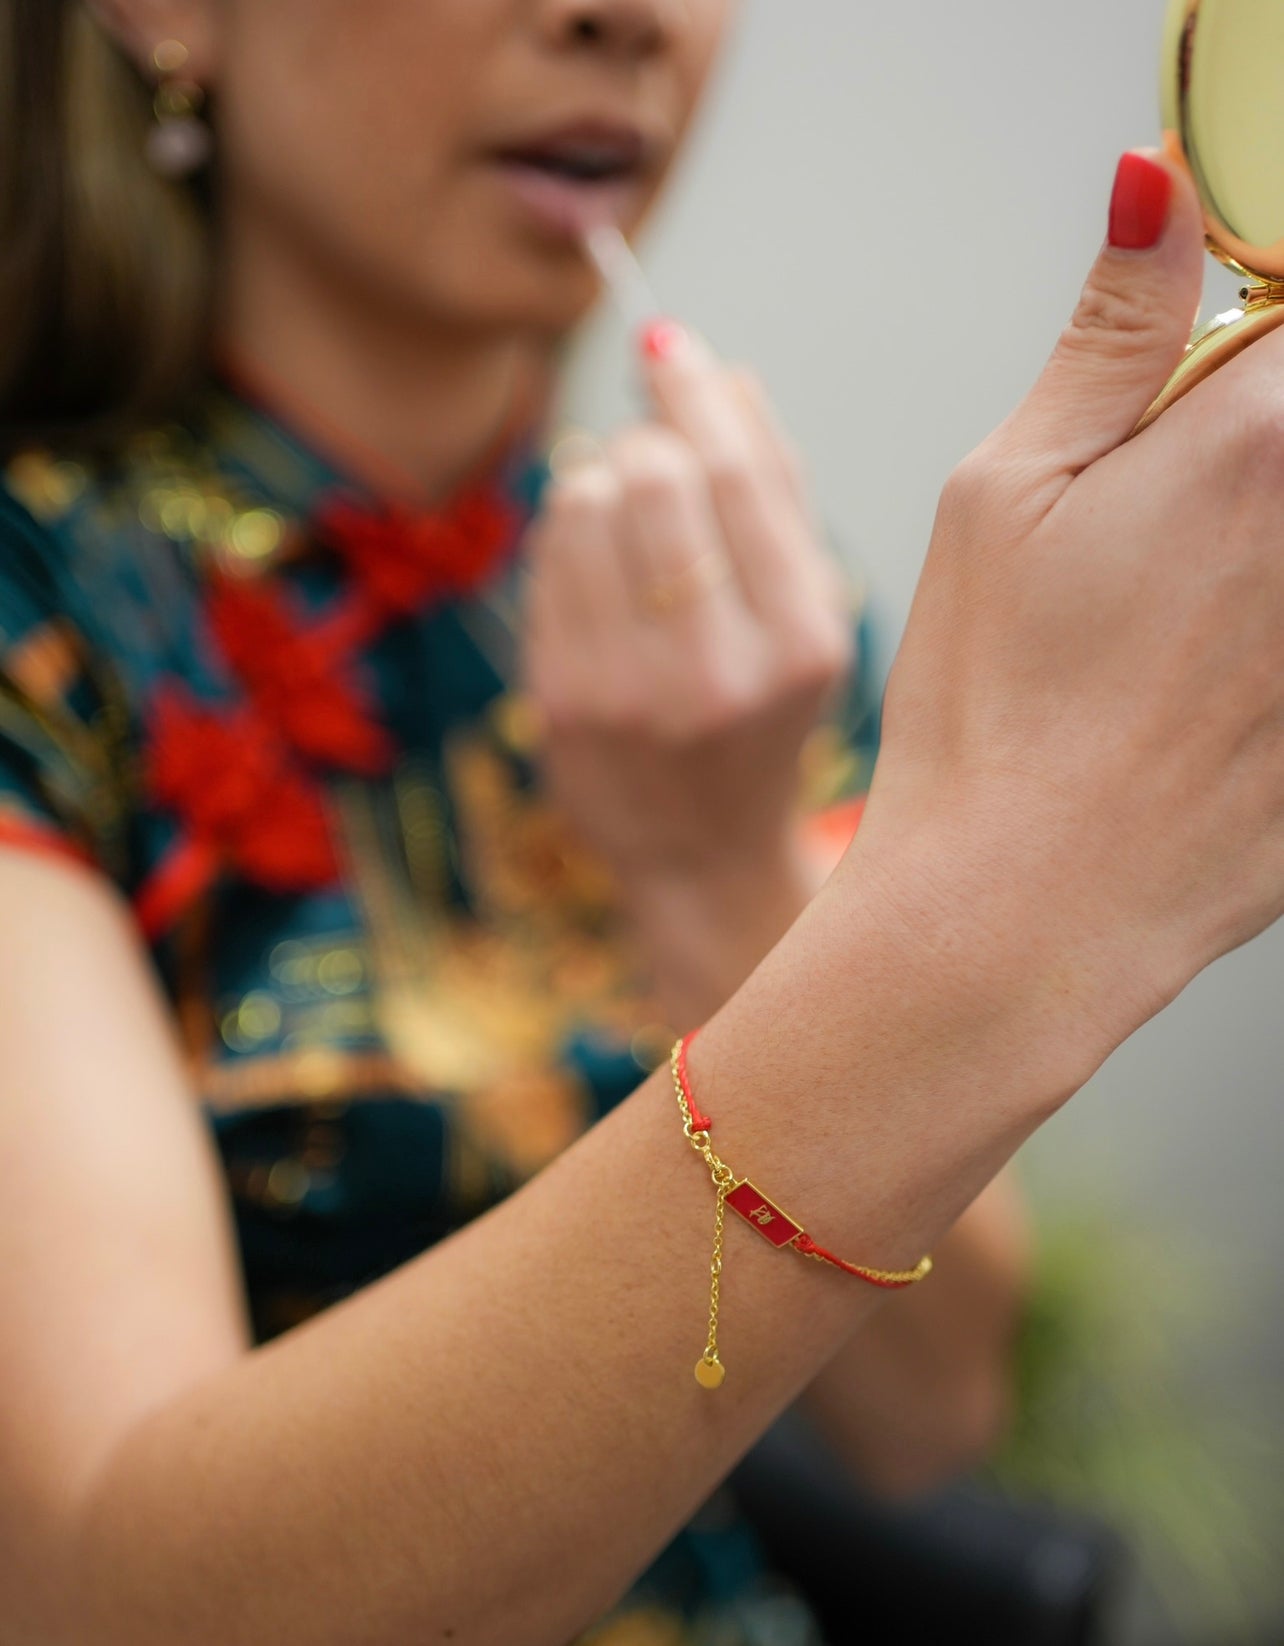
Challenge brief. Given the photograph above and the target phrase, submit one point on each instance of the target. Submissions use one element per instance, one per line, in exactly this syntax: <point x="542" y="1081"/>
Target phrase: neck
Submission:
<point x="408" y="407"/>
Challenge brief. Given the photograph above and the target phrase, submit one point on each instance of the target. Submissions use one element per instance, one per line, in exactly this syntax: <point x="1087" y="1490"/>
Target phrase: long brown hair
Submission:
<point x="104" y="266"/>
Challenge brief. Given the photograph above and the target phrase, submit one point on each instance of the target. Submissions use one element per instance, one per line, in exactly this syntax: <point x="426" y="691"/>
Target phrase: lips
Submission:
<point x="579" y="176"/>
<point x="586" y="153"/>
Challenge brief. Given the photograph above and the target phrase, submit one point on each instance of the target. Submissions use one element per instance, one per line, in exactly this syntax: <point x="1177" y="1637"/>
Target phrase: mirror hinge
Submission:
<point x="1262" y="292"/>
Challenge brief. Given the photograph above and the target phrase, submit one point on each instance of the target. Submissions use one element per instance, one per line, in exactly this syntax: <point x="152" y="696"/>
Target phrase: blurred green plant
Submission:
<point x="1112" y="1419"/>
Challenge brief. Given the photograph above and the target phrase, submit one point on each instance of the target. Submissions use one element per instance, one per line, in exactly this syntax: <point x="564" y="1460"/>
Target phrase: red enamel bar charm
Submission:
<point x="775" y="1226"/>
<point x="749" y="1204"/>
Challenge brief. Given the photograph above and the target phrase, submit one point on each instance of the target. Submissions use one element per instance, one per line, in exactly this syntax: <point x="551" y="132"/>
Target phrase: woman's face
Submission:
<point x="442" y="157"/>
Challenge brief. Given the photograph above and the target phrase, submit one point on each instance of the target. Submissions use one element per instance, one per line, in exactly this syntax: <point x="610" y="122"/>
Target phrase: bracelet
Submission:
<point x="775" y="1226"/>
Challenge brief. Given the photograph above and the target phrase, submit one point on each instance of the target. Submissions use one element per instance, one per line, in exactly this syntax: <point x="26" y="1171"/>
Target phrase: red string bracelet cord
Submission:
<point x="775" y="1226"/>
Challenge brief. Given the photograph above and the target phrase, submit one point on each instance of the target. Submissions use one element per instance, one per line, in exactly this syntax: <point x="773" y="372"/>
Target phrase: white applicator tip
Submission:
<point x="623" y="275"/>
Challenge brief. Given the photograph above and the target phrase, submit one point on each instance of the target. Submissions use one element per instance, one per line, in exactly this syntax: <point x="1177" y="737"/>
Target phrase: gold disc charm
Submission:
<point x="709" y="1374"/>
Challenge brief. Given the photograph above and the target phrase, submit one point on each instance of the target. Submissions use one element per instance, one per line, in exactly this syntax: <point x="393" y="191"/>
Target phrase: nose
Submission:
<point x="634" y="28"/>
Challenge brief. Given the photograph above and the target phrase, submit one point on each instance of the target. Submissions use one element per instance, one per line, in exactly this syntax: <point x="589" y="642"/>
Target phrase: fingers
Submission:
<point x="673" y="555"/>
<point x="634" y="615"/>
<point x="580" y="616"/>
<point x="769" y="539"/>
<point x="778" y="451"/>
<point x="833" y="585"/>
<point x="682" y="570"/>
<point x="1131" y="327"/>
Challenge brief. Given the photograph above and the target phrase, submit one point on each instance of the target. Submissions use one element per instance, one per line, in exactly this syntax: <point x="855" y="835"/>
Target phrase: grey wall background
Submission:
<point x="889" y="212"/>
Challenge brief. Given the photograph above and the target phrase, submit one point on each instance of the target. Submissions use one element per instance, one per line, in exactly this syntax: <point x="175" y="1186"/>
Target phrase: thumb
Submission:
<point x="1133" y="322"/>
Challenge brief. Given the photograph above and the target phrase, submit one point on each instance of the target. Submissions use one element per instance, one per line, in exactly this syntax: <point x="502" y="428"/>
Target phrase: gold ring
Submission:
<point x="702" y="577"/>
<point x="573" y="450"/>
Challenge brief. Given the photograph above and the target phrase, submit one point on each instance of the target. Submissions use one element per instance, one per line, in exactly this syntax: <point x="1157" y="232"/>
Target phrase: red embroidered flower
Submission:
<point x="488" y="530"/>
<point x="231" y="777"/>
<point x="404" y="561"/>
<point x="299" y="682"/>
<point x="234" y="789"/>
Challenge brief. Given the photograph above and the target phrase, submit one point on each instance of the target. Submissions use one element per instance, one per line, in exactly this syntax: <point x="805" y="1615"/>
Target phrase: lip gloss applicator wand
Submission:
<point x="623" y="276"/>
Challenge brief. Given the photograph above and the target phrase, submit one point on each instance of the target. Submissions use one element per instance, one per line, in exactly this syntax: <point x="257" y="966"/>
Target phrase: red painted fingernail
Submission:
<point x="662" y="339"/>
<point x="1139" y="205"/>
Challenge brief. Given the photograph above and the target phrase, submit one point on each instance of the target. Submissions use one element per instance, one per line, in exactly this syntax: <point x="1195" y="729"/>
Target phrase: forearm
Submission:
<point x="433" y="1458"/>
<point x="924" y="1391"/>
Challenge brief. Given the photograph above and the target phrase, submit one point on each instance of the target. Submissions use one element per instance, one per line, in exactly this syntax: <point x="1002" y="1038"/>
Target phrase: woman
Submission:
<point x="252" y="665"/>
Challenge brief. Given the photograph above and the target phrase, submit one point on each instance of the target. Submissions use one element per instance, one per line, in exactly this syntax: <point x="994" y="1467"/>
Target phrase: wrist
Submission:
<point x="971" y="920"/>
<point x="916" y="1025"/>
<point x="909" y="1045"/>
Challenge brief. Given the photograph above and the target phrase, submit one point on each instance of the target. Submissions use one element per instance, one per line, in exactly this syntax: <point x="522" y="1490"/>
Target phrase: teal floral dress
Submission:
<point x="277" y="712"/>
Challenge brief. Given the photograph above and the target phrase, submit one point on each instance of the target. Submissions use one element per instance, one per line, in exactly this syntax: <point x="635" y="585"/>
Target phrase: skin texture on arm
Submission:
<point x="357" y="1479"/>
<point x="924" y="1390"/>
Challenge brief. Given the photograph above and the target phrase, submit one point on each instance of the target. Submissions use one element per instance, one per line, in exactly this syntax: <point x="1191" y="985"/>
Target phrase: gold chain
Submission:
<point x="710" y="1358"/>
<point x="710" y="1372"/>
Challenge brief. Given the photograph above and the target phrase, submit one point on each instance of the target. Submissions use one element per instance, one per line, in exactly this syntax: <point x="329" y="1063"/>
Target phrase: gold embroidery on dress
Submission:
<point x="428" y="998"/>
<point x="46" y="486"/>
<point x="456" y="1006"/>
<point x="478" y="1002"/>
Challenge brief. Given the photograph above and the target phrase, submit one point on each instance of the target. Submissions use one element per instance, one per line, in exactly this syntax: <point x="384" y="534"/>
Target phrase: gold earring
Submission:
<point x="180" y="143"/>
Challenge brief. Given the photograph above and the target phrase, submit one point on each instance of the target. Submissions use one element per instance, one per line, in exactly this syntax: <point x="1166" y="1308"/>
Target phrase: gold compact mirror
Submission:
<point x="1223" y="115"/>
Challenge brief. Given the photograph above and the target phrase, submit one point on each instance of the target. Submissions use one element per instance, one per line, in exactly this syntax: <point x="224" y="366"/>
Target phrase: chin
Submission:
<point x="541" y="290"/>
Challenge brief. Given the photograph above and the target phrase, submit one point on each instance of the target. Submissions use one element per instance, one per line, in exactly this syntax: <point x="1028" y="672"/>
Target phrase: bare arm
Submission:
<point x="923" y="1391"/>
<point x="430" y="1459"/>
